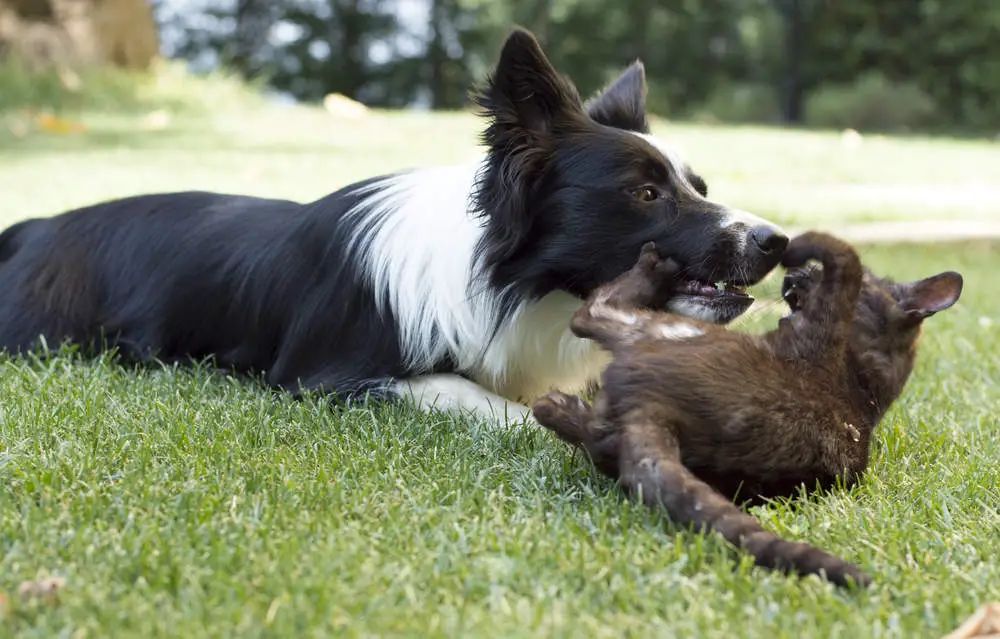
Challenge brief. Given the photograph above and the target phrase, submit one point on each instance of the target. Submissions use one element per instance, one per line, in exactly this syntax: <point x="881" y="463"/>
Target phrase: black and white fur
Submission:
<point x="454" y="285"/>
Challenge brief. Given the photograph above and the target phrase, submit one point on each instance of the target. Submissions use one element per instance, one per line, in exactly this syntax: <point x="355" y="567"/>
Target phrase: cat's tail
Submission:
<point x="661" y="479"/>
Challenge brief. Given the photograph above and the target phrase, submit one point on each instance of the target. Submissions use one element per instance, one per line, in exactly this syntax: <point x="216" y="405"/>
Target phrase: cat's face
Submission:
<point x="887" y="318"/>
<point x="883" y="305"/>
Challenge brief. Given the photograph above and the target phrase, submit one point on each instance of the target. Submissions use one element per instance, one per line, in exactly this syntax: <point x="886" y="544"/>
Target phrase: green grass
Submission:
<point x="183" y="502"/>
<point x="799" y="177"/>
<point x="186" y="503"/>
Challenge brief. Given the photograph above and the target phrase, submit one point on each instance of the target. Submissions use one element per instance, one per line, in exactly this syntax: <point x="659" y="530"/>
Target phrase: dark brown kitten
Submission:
<point x="688" y="409"/>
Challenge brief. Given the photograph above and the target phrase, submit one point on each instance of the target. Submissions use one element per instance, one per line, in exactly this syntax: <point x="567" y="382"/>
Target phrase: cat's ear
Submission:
<point x="622" y="104"/>
<point x="925" y="297"/>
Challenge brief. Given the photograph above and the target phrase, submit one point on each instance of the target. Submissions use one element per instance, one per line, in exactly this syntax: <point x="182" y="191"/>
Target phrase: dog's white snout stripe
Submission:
<point x="739" y="216"/>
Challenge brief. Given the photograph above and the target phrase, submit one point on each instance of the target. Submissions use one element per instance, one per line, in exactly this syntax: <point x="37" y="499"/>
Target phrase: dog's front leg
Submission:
<point x="455" y="393"/>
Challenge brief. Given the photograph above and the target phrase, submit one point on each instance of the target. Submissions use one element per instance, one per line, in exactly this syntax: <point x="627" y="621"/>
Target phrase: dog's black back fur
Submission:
<point x="224" y="289"/>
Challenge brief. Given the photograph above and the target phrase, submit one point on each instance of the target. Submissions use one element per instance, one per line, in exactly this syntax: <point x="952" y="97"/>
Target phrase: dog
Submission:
<point x="452" y="286"/>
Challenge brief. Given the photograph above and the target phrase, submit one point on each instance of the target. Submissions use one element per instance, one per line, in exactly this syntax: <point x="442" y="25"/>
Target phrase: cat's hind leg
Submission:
<point x="651" y="467"/>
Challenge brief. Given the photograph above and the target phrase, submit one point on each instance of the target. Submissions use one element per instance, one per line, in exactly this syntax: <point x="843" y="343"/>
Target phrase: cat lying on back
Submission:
<point x="688" y="409"/>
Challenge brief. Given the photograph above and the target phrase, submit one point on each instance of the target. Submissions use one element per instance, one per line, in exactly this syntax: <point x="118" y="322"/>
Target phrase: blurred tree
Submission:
<point x="949" y="49"/>
<point x="401" y="52"/>
<point x="791" y="90"/>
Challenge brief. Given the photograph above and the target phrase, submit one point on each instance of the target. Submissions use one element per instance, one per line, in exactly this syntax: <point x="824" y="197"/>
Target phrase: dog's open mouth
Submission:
<point x="718" y="290"/>
<point x="719" y="303"/>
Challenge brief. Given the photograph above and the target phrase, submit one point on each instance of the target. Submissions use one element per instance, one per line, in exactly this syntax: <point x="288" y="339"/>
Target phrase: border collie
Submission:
<point x="453" y="286"/>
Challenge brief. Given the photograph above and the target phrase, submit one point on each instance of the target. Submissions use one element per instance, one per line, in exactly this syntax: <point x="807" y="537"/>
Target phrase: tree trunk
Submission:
<point x="346" y="51"/>
<point x="437" y="57"/>
<point x="792" y="95"/>
<point x="119" y="33"/>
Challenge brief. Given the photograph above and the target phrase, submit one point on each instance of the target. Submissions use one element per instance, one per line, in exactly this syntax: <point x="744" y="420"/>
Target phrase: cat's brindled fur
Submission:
<point x="688" y="410"/>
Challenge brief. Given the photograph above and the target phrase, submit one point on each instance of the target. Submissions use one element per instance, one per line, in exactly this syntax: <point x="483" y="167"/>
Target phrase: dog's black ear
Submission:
<point x="622" y="104"/>
<point x="931" y="295"/>
<point x="525" y="94"/>
<point x="526" y="102"/>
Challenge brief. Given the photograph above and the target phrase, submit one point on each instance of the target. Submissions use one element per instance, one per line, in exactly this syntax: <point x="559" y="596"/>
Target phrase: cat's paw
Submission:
<point x="815" y="245"/>
<point x="567" y="415"/>
<point x="660" y="273"/>
<point x="649" y="258"/>
<point x="557" y="406"/>
<point x="666" y="270"/>
<point x="801" y="249"/>
<point x="797" y="285"/>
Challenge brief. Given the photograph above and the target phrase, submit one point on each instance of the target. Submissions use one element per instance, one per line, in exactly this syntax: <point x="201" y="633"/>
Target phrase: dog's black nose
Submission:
<point x="768" y="240"/>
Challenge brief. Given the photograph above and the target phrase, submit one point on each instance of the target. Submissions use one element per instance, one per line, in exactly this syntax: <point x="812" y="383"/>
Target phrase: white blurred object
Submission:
<point x="851" y="139"/>
<point x="342" y="106"/>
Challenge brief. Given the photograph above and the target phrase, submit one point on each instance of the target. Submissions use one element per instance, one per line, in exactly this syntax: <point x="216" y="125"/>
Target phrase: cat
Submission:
<point x="687" y="411"/>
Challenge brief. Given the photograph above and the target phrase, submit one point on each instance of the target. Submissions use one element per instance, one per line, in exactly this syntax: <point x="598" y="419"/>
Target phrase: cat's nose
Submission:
<point x="768" y="240"/>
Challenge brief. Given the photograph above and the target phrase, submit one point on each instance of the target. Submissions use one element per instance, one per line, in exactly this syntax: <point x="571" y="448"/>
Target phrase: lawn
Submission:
<point x="184" y="503"/>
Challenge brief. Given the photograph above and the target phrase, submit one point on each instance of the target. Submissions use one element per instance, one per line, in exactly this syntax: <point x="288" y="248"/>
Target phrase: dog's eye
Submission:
<point x="646" y="194"/>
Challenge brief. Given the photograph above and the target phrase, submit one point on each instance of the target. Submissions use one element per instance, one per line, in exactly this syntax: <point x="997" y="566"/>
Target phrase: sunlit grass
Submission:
<point x="182" y="502"/>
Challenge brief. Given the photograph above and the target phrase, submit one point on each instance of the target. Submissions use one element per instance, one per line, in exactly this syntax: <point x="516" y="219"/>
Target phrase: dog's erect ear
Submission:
<point x="925" y="297"/>
<point x="526" y="102"/>
<point x="525" y="92"/>
<point x="622" y="104"/>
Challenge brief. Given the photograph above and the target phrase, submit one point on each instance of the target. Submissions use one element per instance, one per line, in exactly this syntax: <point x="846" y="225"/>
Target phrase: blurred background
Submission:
<point x="885" y="65"/>
<point x="825" y="113"/>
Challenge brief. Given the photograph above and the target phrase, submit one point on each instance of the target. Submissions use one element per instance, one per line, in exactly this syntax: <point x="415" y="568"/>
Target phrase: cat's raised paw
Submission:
<point x="655" y="269"/>
<point x="649" y="258"/>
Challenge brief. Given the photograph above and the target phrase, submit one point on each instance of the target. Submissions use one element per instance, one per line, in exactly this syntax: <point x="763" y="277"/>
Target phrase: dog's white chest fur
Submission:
<point x="418" y="250"/>
<point x="535" y="352"/>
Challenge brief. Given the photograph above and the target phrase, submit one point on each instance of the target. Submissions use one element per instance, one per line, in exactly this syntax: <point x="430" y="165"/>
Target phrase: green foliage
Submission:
<point x="870" y="103"/>
<point x="168" y="85"/>
<point x="697" y="52"/>
<point x="741" y="102"/>
<point x="948" y="49"/>
<point x="22" y="87"/>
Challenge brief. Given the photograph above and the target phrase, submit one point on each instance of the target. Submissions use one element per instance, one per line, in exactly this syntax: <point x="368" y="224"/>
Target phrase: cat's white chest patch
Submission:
<point x="676" y="331"/>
